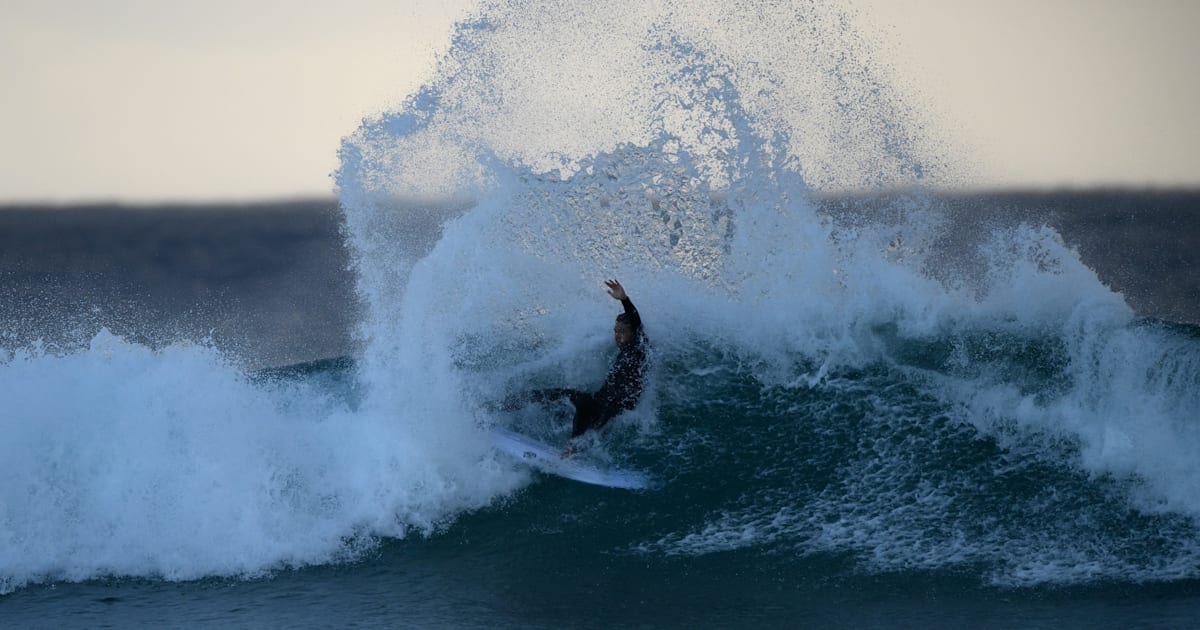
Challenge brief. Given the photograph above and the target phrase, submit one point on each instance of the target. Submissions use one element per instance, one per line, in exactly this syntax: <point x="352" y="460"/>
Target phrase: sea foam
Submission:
<point x="124" y="460"/>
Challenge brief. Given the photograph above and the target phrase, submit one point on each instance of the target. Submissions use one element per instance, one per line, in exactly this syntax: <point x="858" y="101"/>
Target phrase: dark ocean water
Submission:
<point x="269" y="282"/>
<point x="897" y="409"/>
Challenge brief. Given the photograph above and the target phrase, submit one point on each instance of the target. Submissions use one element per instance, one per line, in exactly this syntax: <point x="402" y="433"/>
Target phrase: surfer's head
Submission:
<point x="623" y="331"/>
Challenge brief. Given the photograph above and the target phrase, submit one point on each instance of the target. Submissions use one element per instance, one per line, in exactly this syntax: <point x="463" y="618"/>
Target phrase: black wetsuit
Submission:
<point x="622" y="387"/>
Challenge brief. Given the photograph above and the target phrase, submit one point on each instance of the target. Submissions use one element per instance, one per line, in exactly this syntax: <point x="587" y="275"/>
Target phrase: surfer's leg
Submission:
<point x="589" y="414"/>
<point x="518" y="400"/>
<point x="547" y="395"/>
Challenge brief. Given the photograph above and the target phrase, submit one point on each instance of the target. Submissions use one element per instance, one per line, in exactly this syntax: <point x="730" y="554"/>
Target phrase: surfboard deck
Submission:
<point x="549" y="459"/>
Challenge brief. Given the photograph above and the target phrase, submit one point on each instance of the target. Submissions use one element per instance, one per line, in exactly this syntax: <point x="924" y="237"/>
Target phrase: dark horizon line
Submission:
<point x="332" y="199"/>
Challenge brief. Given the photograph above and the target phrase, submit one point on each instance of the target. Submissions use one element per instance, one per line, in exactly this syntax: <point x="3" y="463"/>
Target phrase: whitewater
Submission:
<point x="837" y="393"/>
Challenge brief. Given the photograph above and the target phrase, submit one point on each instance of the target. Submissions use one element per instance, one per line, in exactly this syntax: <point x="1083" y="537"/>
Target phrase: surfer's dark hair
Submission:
<point x="625" y="319"/>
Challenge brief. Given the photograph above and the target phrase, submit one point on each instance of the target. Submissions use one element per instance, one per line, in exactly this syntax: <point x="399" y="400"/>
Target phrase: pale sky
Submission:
<point x="150" y="100"/>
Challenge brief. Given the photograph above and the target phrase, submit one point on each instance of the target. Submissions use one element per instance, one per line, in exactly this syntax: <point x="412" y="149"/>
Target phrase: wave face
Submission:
<point x="887" y="388"/>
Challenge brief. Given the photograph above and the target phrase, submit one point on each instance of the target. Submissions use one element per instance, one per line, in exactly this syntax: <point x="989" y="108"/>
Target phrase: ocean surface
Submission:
<point x="865" y="409"/>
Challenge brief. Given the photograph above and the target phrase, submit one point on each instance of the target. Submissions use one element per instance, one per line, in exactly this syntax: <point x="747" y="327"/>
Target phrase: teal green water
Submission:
<point x="864" y="498"/>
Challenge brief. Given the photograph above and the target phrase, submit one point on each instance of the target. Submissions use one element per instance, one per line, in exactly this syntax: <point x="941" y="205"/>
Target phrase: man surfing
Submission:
<point x="622" y="388"/>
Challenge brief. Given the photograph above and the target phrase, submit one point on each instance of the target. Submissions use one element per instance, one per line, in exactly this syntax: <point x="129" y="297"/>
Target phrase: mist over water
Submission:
<point x="883" y="388"/>
<point x="636" y="138"/>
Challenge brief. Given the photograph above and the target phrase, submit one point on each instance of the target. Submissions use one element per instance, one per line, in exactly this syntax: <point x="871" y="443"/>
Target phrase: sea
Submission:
<point x="871" y="401"/>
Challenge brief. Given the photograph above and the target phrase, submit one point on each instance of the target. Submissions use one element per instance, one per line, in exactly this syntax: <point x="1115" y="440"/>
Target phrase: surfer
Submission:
<point x="622" y="387"/>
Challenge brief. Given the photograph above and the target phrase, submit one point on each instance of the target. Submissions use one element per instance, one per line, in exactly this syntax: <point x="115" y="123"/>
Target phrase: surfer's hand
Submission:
<point x="568" y="452"/>
<point x="615" y="289"/>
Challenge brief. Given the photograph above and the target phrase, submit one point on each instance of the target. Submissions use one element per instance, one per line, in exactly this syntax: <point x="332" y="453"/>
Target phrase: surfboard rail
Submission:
<point x="549" y="459"/>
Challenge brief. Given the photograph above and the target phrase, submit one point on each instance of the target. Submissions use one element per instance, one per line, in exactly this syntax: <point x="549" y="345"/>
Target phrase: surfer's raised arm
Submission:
<point x="616" y="290"/>
<point x="630" y="318"/>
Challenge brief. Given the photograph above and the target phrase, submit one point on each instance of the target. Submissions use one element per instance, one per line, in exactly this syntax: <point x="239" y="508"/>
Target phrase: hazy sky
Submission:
<point x="217" y="99"/>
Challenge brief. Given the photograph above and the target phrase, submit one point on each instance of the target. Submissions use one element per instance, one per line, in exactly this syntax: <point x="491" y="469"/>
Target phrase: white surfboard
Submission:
<point x="550" y="460"/>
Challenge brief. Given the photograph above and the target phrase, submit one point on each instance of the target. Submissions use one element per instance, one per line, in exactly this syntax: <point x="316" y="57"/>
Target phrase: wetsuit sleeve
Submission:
<point x="632" y="312"/>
